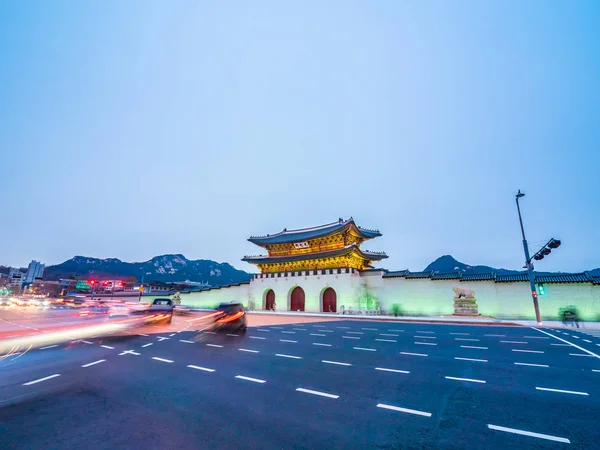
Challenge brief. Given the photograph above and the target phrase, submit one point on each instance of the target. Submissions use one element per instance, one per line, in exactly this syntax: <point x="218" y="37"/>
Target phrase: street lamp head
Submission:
<point x="520" y="194"/>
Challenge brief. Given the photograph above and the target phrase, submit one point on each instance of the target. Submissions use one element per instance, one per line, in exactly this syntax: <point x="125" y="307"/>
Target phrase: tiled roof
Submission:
<point x="478" y="276"/>
<point x="352" y="248"/>
<point x="511" y="278"/>
<point x="396" y="274"/>
<point x="418" y="275"/>
<point x="563" y="278"/>
<point x="594" y="279"/>
<point x="446" y="276"/>
<point x="289" y="236"/>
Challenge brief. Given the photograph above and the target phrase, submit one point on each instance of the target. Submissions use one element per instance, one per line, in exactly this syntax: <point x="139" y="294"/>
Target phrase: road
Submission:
<point x="330" y="384"/>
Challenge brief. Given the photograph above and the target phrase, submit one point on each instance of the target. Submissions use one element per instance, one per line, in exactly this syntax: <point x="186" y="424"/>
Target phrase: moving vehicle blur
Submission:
<point x="230" y="316"/>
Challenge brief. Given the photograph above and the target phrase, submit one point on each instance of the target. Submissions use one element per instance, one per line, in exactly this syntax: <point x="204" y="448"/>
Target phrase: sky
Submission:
<point x="139" y="128"/>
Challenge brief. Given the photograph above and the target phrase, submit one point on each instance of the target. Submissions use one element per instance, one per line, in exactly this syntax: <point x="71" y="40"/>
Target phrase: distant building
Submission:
<point x="35" y="272"/>
<point x="15" y="277"/>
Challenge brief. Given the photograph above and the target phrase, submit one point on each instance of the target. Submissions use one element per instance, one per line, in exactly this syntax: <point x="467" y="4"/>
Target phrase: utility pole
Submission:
<point x="528" y="264"/>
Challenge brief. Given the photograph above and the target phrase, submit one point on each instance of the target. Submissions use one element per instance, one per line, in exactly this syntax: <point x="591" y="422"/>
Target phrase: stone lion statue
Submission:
<point x="460" y="292"/>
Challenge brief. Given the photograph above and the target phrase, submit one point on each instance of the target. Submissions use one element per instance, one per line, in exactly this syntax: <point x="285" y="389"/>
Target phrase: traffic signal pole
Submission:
<point x="529" y="265"/>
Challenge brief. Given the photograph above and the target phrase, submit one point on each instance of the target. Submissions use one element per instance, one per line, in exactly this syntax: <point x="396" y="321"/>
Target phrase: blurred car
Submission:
<point x="118" y="309"/>
<point x="230" y="316"/>
<point x="39" y="302"/>
<point x="5" y="301"/>
<point x="161" y="310"/>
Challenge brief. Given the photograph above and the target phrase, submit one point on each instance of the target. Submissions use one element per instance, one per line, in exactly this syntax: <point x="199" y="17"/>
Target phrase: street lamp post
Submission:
<point x="528" y="263"/>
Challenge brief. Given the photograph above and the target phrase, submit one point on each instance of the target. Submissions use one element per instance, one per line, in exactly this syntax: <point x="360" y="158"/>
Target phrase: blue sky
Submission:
<point x="131" y="129"/>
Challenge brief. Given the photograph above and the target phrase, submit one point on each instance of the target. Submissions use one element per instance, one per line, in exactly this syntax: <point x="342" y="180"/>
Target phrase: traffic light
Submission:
<point x="554" y="243"/>
<point x="546" y="251"/>
<point x="541" y="289"/>
<point x="538" y="257"/>
<point x="92" y="282"/>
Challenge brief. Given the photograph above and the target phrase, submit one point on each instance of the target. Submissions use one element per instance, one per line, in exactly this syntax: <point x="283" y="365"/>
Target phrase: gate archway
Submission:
<point x="329" y="303"/>
<point x="297" y="299"/>
<point x="269" y="299"/>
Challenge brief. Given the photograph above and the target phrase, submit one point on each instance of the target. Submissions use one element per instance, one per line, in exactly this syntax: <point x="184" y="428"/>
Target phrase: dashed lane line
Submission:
<point x="256" y="337"/>
<point x="536" y="337"/>
<point x="514" y="342"/>
<point x="186" y="342"/>
<point x="232" y="335"/>
<point x="289" y="332"/>
<point x="255" y="380"/>
<point x="171" y="335"/>
<point x="425" y="343"/>
<point x="581" y="354"/>
<point x="365" y="349"/>
<point x="425" y="337"/>
<point x="94" y="363"/>
<point x="369" y="329"/>
<point x="471" y="346"/>
<point x="39" y="380"/>
<point x="142" y="334"/>
<point x="328" y="331"/>
<point x="397" y="331"/>
<point x="205" y="369"/>
<point x="283" y="355"/>
<point x="322" y="345"/>
<point x="470" y="359"/>
<point x="108" y="347"/>
<point x="532" y="365"/>
<point x="404" y="410"/>
<point x="162" y="359"/>
<point x="529" y="433"/>
<point x="277" y="328"/>
<point x="426" y="332"/>
<point x="561" y="345"/>
<point x="470" y="380"/>
<point x="162" y="338"/>
<point x="567" y="342"/>
<point x="386" y="334"/>
<point x="386" y="340"/>
<point x="262" y="329"/>
<point x="383" y="369"/>
<point x="595" y="370"/>
<point x="321" y="394"/>
<point x="527" y="351"/>
<point x="413" y="354"/>
<point x="336" y="363"/>
<point x="561" y="391"/>
<point x="317" y="334"/>
<point x="49" y="346"/>
<point x="214" y="345"/>
<point x="247" y="350"/>
<point x="460" y="334"/>
<point x="466" y="339"/>
<point x="129" y="352"/>
<point x="300" y="329"/>
<point x="147" y="345"/>
<point x="343" y="328"/>
<point x="355" y="332"/>
<point x="587" y="340"/>
<point x="350" y="337"/>
<point x="87" y="342"/>
<point x="495" y="335"/>
<point x="287" y="340"/>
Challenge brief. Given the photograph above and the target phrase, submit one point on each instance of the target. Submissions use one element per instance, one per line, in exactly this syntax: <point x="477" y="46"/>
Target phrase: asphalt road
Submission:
<point x="339" y="384"/>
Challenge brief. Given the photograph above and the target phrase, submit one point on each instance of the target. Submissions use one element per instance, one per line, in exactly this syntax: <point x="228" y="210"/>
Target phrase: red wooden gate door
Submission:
<point x="297" y="300"/>
<point x="329" y="300"/>
<point x="270" y="300"/>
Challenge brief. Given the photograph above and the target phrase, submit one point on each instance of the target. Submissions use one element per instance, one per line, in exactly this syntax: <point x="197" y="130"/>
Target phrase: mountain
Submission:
<point x="164" y="268"/>
<point x="447" y="263"/>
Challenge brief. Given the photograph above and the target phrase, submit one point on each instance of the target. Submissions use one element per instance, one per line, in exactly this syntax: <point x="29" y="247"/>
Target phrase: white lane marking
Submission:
<point x="581" y="354"/>
<point x="567" y="342"/>
<point x="461" y="334"/>
<point x="495" y="335"/>
<point x="386" y="334"/>
<point x="561" y="391"/>
<point x="344" y="328"/>
<point x="426" y="332"/>
<point x="471" y="380"/>
<point x="471" y="346"/>
<point x="141" y="334"/>
<point x="162" y="338"/>
<point x="233" y="335"/>
<point x="350" y="337"/>
<point x="465" y="339"/>
<point x="595" y="370"/>
<point x="386" y="340"/>
<point x="587" y="340"/>
<point x="211" y="332"/>
<point x="287" y="340"/>
<point x="50" y="346"/>
<point x="205" y="369"/>
<point x="300" y="329"/>
<point x="527" y="351"/>
<point x="277" y="328"/>
<point x="282" y="355"/>
<point x="87" y="342"/>
<point x="39" y="380"/>
<point x="575" y="337"/>
<point x="322" y="394"/>
<point x="186" y="342"/>
<point x="365" y="349"/>
<point x="514" y="342"/>
<point x="108" y="347"/>
<point x="147" y="345"/>
<point x="404" y="410"/>
<point x="398" y="331"/>
<point x="129" y="352"/>
<point x="532" y="365"/>
<point x="383" y="369"/>
<point x="425" y="337"/>
<point x="214" y="345"/>
<point x="471" y="359"/>
<point x="328" y="331"/>
<point x="322" y="345"/>
<point x="355" y="332"/>
<point x="262" y="329"/>
<point x="369" y="329"/>
<point x="171" y="335"/>
<point x="255" y="380"/>
<point x="536" y="337"/>
<point x="425" y="343"/>
<point x="317" y="334"/>
<point x="413" y="354"/>
<point x="256" y="337"/>
<point x="561" y="345"/>
<point x="336" y="363"/>
<point x="94" y="363"/>
<point x="247" y="350"/>
<point x="289" y="332"/>
<point x="529" y="433"/>
<point x="162" y="359"/>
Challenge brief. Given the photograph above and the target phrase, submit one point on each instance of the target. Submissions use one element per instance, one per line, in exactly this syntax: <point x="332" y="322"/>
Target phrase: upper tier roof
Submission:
<point x="303" y="234"/>
<point x="365" y="254"/>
